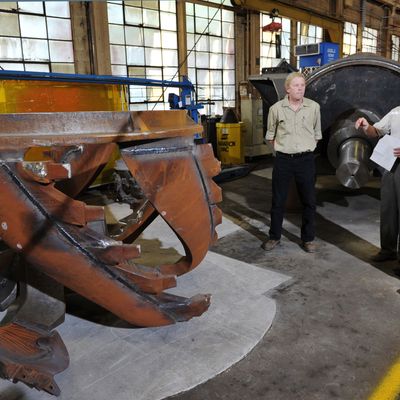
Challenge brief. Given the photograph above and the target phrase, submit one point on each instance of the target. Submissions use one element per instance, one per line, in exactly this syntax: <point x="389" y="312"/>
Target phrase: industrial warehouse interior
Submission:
<point x="142" y="152"/>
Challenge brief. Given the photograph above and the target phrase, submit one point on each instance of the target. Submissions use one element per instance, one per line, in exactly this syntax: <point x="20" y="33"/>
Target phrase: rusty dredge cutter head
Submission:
<point x="52" y="240"/>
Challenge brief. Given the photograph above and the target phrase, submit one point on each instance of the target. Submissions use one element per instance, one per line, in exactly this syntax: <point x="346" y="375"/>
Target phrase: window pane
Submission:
<point x="12" y="66"/>
<point x="150" y="4"/>
<point x="10" y="49"/>
<point x="61" y="51"/>
<point x="229" y="77"/>
<point x="117" y="54"/>
<point x="191" y="59"/>
<point x="229" y="92"/>
<point x="202" y="43"/>
<point x="203" y="76"/>
<point x="63" y="68"/>
<point x="286" y="24"/>
<point x="37" y="67"/>
<point x="192" y="75"/>
<point x="154" y="94"/>
<point x="285" y="52"/>
<point x="152" y="38"/>
<point x="189" y="9"/>
<point x="170" y="57"/>
<point x="169" y="40"/>
<point x="57" y="8"/>
<point x="134" y="3"/>
<point x="119" y="70"/>
<point x="228" y="46"/>
<point x="190" y="24"/>
<point x="201" y="25"/>
<point x="116" y="33"/>
<point x="218" y="108"/>
<point x="138" y="107"/>
<point x="228" y="30"/>
<point x="215" y="28"/>
<point x="115" y="15"/>
<point x="8" y="5"/>
<point x="133" y="16"/>
<point x="216" y="92"/>
<point x="168" y="21"/>
<point x="203" y="60"/>
<point x="35" y="50"/>
<point x="134" y="35"/>
<point x="59" y="28"/>
<point x="33" y="26"/>
<point x="168" y="5"/>
<point x="215" y="44"/>
<point x="138" y="72"/>
<point x="151" y="18"/>
<point x="35" y="7"/>
<point x="9" y="24"/>
<point x="215" y="14"/>
<point x="201" y="11"/>
<point x="228" y="16"/>
<point x="229" y="62"/>
<point x="135" y="55"/>
<point x="190" y="41"/>
<point x="153" y="56"/>
<point x="216" y="77"/>
<point x="216" y="60"/>
<point x="154" y="73"/>
<point x="137" y="93"/>
<point x="170" y="73"/>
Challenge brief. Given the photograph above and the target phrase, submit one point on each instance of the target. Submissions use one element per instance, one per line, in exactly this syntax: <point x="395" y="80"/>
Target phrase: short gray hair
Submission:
<point x="291" y="76"/>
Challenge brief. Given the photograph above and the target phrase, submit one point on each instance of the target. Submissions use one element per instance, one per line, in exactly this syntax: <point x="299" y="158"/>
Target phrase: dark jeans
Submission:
<point x="301" y="167"/>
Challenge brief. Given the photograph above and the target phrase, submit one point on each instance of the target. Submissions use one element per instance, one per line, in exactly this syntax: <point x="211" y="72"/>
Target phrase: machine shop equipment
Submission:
<point x="362" y="85"/>
<point x="53" y="238"/>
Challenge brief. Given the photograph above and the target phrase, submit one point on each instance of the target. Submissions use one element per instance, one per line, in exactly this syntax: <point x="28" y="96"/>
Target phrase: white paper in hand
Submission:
<point x="383" y="152"/>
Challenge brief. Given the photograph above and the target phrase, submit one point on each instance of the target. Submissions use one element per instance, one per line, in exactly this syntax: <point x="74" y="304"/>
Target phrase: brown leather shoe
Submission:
<point x="270" y="244"/>
<point x="309" y="247"/>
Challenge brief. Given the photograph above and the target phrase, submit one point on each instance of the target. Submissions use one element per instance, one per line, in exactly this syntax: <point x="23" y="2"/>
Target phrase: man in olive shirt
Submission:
<point x="294" y="128"/>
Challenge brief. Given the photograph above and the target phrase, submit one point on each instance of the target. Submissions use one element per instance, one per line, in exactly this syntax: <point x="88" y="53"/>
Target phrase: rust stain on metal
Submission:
<point x="45" y="228"/>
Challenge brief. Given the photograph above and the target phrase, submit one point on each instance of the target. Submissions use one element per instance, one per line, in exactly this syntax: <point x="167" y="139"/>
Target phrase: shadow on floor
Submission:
<point x="255" y="205"/>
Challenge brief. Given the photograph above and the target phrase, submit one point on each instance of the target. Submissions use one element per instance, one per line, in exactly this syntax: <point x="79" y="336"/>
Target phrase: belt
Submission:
<point x="293" y="155"/>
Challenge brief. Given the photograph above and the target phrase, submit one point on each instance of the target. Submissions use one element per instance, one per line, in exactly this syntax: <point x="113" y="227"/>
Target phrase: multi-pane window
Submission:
<point x="143" y="44"/>
<point x="395" y="47"/>
<point x="274" y="45"/>
<point x="211" y="55"/>
<point x="369" y="40"/>
<point x="307" y="34"/>
<point x="349" y="39"/>
<point x="36" y="36"/>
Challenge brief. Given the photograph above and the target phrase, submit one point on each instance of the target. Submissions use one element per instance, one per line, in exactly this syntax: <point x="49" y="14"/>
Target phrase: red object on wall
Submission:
<point x="272" y="27"/>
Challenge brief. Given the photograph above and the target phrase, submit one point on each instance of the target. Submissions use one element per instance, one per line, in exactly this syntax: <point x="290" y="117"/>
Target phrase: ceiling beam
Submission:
<point x="332" y="25"/>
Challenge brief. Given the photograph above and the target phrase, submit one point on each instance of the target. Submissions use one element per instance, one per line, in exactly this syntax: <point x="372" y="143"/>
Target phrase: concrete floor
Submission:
<point x="336" y="330"/>
<point x="334" y="314"/>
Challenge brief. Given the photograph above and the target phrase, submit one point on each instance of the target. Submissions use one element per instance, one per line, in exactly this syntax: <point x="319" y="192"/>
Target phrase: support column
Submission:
<point x="100" y="38"/>
<point x="293" y="42"/>
<point x="182" y="43"/>
<point x="253" y="32"/>
<point x="80" y="37"/>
